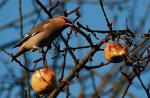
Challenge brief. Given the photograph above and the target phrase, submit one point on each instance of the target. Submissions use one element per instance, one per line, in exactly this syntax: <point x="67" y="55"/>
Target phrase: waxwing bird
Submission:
<point x="42" y="35"/>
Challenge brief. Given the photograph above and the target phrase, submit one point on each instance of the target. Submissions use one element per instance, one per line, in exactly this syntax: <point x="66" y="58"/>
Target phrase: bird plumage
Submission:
<point x="42" y="35"/>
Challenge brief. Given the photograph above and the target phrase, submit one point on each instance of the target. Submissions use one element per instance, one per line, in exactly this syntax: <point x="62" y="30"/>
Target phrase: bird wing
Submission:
<point x="39" y="27"/>
<point x="36" y="30"/>
<point x="25" y="38"/>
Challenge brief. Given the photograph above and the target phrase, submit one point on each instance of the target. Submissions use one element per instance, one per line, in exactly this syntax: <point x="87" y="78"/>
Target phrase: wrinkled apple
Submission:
<point x="115" y="52"/>
<point x="44" y="81"/>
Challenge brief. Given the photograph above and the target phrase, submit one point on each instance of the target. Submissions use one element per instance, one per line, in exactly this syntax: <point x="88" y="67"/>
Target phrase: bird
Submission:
<point x="42" y="35"/>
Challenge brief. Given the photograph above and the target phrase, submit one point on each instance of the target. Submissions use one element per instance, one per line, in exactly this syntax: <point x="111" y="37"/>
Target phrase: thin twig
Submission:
<point x="138" y="76"/>
<point x="17" y="61"/>
<point x="70" y="51"/>
<point x="94" y="67"/>
<point x="63" y="67"/>
<point x="44" y="8"/>
<point x="77" y="68"/>
<point x="106" y="18"/>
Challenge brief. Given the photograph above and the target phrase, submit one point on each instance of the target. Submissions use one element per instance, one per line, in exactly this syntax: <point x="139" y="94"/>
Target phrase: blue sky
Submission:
<point x="91" y="16"/>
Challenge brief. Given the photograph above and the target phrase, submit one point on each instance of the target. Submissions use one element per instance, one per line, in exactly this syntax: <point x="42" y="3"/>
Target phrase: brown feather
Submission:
<point x="43" y="34"/>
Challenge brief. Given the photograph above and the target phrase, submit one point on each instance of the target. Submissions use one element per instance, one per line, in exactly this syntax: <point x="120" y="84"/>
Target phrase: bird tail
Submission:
<point x="20" y="52"/>
<point x="22" y="41"/>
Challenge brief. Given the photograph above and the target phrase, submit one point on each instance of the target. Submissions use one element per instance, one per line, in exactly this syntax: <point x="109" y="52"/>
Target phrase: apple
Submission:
<point x="43" y="81"/>
<point x="115" y="52"/>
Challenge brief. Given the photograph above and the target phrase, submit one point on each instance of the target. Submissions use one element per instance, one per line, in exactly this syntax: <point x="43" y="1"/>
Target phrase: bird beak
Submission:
<point x="72" y="25"/>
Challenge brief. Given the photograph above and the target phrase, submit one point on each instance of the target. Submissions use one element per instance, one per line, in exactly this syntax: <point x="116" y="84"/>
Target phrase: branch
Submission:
<point x="106" y="18"/>
<point x="94" y="67"/>
<point x="17" y="61"/>
<point x="44" y="8"/>
<point x="76" y="69"/>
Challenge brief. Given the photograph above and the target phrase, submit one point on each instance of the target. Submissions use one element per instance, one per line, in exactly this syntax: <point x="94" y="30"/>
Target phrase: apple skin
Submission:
<point x="43" y="81"/>
<point x="115" y="52"/>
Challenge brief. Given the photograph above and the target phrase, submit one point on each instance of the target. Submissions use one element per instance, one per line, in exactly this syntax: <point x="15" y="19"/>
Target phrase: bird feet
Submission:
<point x="36" y="48"/>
